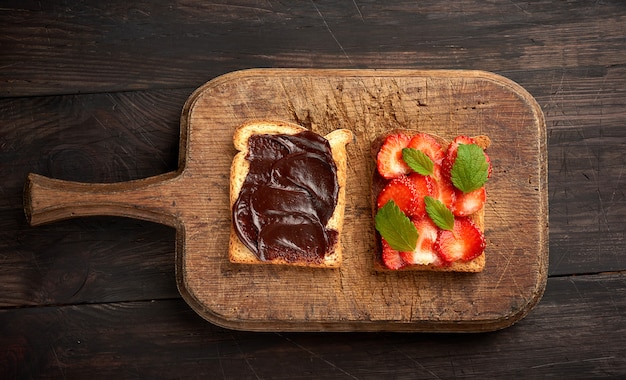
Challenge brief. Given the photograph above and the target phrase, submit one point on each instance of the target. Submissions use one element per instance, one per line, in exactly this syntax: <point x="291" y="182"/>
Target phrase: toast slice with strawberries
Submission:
<point x="444" y="224"/>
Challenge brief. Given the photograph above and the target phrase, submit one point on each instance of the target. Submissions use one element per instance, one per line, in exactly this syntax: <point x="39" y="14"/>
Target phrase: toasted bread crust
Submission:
<point x="237" y="251"/>
<point x="475" y="265"/>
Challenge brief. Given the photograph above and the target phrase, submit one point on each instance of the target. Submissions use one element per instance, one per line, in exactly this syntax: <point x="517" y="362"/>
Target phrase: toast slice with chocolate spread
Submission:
<point x="287" y="195"/>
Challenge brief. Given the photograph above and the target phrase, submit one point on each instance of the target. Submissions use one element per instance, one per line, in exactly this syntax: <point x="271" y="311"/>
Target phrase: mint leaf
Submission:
<point x="439" y="213"/>
<point x="470" y="169"/>
<point x="396" y="228"/>
<point x="418" y="161"/>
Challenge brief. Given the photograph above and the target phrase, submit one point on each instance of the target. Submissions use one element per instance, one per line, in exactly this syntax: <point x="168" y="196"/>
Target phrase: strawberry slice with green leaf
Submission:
<point x="452" y="153"/>
<point x="427" y="144"/>
<point x="424" y="252"/>
<point x="470" y="169"/>
<point x="418" y="161"/>
<point x="439" y="213"/>
<point x="395" y="227"/>
<point x="389" y="160"/>
<point x="454" y="145"/>
<point x="464" y="243"/>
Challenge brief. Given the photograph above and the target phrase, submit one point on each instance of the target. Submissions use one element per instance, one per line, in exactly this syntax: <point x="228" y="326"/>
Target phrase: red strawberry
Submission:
<point x="391" y="257"/>
<point x="424" y="252"/>
<point x="428" y="145"/>
<point x="423" y="186"/>
<point x="464" y="243"/>
<point x="450" y="156"/>
<point x="402" y="192"/>
<point x="454" y="145"/>
<point x="468" y="203"/>
<point x="442" y="188"/>
<point x="389" y="159"/>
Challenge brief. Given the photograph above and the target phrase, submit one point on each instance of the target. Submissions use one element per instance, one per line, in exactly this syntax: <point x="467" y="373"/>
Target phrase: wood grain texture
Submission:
<point x="56" y="49"/>
<point x="124" y="136"/>
<point x="368" y="103"/>
<point x="166" y="339"/>
<point x="131" y="65"/>
<point x="195" y="200"/>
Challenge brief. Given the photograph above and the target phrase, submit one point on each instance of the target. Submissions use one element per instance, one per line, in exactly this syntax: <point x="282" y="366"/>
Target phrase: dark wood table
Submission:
<point x="93" y="91"/>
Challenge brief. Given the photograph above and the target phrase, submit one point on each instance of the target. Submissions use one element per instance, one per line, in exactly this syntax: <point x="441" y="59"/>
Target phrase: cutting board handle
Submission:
<point x="48" y="200"/>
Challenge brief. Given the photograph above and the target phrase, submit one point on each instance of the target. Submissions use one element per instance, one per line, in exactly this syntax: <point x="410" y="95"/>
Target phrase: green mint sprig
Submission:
<point x="439" y="213"/>
<point x="418" y="161"/>
<point x="470" y="169"/>
<point x="396" y="228"/>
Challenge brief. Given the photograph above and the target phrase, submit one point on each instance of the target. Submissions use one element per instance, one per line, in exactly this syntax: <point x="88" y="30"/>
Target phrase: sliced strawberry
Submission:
<point x="451" y="152"/>
<point x="468" y="203"/>
<point x="442" y="188"/>
<point x="389" y="159"/>
<point x="402" y="192"/>
<point x="450" y="156"/>
<point x="428" y="145"/>
<point x="454" y="145"/>
<point x="464" y="243"/>
<point x="423" y="186"/>
<point x="424" y="252"/>
<point x="446" y="167"/>
<point x="392" y="258"/>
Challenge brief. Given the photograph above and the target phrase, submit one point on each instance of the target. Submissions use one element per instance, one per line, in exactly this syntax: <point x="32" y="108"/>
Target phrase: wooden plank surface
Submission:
<point x="166" y="339"/>
<point x="132" y="65"/>
<point x="195" y="200"/>
<point x="52" y="48"/>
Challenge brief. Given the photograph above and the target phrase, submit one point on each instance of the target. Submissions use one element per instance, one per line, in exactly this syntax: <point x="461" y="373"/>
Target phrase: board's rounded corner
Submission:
<point x="524" y="309"/>
<point x="514" y="87"/>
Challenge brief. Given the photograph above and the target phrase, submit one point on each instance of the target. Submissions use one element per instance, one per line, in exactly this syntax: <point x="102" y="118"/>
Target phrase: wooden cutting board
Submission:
<point x="194" y="200"/>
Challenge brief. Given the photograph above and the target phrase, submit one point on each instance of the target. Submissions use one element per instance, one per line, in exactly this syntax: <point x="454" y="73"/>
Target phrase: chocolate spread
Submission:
<point x="287" y="198"/>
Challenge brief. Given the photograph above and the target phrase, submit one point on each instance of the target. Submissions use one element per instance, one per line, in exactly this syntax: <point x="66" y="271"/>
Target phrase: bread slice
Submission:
<point x="238" y="252"/>
<point x="475" y="265"/>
